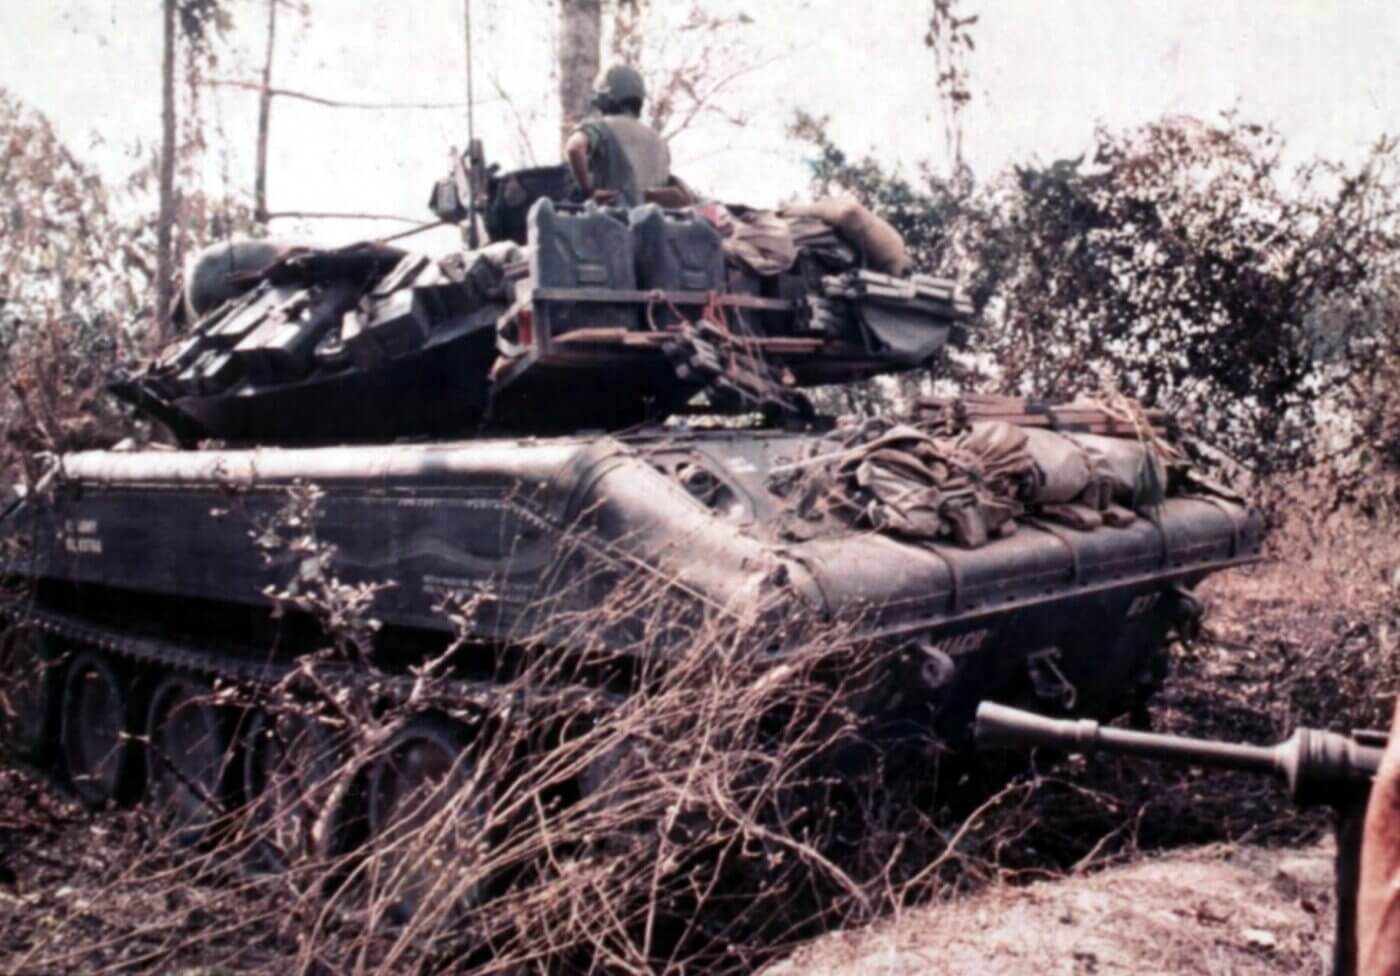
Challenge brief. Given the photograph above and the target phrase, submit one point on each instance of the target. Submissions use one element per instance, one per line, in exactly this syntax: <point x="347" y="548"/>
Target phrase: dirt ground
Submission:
<point x="1220" y="909"/>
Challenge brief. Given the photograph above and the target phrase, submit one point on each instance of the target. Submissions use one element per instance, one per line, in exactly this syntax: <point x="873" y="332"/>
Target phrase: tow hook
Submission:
<point x="1048" y="680"/>
<point x="936" y="666"/>
<point x="1189" y="611"/>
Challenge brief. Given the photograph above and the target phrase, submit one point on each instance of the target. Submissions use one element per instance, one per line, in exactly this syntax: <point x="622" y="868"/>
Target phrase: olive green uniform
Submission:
<point x="626" y="155"/>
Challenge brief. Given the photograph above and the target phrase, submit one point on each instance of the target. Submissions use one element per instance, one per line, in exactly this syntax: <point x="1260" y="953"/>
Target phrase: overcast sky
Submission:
<point x="1326" y="72"/>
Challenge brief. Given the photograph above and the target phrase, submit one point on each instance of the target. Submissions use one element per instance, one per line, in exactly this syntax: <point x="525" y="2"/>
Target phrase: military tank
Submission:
<point x="516" y="417"/>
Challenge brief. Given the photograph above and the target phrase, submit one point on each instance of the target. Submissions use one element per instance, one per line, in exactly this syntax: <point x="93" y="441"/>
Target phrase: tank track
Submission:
<point x="340" y="822"/>
<point x="216" y="663"/>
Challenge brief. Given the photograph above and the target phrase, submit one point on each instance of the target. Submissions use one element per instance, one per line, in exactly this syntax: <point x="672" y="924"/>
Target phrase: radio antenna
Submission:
<point x="473" y="148"/>
<point x="471" y="102"/>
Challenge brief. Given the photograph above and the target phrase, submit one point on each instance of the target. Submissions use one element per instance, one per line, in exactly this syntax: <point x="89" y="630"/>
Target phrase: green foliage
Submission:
<point x="1181" y="263"/>
<point x="62" y="250"/>
<point x="77" y="281"/>
<point x="72" y="285"/>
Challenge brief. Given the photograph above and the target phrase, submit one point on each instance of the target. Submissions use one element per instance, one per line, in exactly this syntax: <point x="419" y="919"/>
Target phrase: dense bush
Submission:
<point x="76" y="282"/>
<point x="1183" y="263"/>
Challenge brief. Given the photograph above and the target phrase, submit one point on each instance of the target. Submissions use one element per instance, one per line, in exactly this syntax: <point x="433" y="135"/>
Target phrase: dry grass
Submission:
<point x="723" y="808"/>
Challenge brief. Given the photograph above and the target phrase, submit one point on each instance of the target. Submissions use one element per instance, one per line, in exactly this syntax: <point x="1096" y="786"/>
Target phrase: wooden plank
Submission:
<point x="601" y="335"/>
<point x="1016" y="410"/>
<point x="778" y="345"/>
<point x="620" y="296"/>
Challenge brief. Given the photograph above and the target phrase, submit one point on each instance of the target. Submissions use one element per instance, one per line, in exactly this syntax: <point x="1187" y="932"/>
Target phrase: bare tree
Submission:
<point x="950" y="39"/>
<point x="264" y="116"/>
<point x="267" y="92"/>
<point x="580" y="41"/>
<point x="690" y="56"/>
<point x="165" y="258"/>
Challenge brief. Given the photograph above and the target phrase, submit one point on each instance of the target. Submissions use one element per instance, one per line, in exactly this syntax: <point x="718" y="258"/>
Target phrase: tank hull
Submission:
<point x="1070" y="619"/>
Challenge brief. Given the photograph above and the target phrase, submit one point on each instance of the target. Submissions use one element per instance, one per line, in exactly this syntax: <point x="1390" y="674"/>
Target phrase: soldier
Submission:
<point x="1378" y="897"/>
<point x="614" y="155"/>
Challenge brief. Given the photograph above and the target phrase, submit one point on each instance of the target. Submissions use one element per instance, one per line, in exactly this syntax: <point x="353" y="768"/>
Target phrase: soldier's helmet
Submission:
<point x="617" y="85"/>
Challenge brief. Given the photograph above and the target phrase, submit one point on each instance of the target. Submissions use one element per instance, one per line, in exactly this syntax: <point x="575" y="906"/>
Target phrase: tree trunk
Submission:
<point x="580" y="39"/>
<point x="264" y="114"/>
<point x="165" y="221"/>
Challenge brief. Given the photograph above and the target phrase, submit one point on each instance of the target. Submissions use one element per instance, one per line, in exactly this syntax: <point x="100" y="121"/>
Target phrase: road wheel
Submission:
<point x="426" y="817"/>
<point x="190" y="757"/>
<point x="289" y="767"/>
<point x="95" y="731"/>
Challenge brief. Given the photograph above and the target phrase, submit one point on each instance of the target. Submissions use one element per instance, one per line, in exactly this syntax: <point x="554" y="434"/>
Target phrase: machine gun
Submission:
<point x="1320" y="769"/>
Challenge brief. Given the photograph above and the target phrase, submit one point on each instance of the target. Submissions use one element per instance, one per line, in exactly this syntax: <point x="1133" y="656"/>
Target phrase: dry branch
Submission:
<point x="336" y="102"/>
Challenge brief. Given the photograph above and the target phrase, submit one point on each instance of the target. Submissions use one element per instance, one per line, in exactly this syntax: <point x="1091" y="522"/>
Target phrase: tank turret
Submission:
<point x="639" y="313"/>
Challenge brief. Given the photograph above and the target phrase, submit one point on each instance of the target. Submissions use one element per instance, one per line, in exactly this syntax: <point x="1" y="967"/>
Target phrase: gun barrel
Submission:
<point x="1000" y="726"/>
<point x="1319" y="767"/>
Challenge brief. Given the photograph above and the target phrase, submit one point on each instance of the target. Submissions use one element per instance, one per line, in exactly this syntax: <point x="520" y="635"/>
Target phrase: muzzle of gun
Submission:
<point x="1319" y="767"/>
